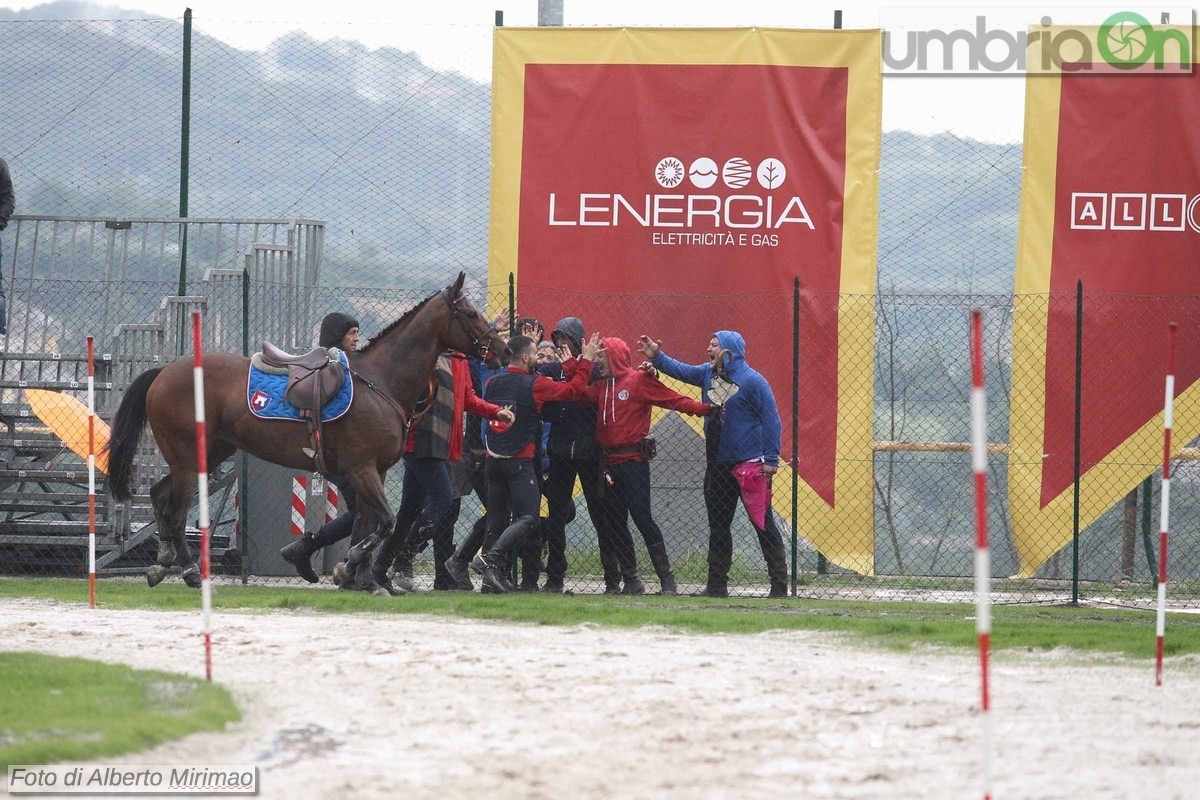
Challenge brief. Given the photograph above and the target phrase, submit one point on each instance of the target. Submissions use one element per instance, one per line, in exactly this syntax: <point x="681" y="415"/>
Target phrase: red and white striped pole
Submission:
<point x="299" y="504"/>
<point x="1165" y="505"/>
<point x="202" y="480"/>
<point x="983" y="569"/>
<point x="91" y="394"/>
<point x="331" y="503"/>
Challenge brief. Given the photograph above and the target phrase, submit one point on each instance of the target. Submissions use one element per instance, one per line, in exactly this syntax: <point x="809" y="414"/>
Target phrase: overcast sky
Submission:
<point x="455" y="34"/>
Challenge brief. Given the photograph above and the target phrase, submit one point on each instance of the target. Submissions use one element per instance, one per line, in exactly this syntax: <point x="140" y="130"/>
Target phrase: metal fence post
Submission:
<point x="1078" y="407"/>
<point x="512" y="324"/>
<point x="795" y="424"/>
<point x="185" y="126"/>
<point x="244" y="462"/>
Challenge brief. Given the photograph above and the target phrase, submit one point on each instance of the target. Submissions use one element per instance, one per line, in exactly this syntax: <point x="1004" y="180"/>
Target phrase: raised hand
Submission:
<point x="650" y="347"/>
<point x="564" y="353"/>
<point x="592" y="348"/>
<point x="646" y="366"/>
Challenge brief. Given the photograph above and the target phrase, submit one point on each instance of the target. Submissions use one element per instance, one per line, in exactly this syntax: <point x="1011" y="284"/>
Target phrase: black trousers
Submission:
<point x="426" y="490"/>
<point x="343" y="525"/>
<point x="474" y="541"/>
<point x="629" y="496"/>
<point x="721" y="496"/>
<point x="512" y="488"/>
<point x="559" y="489"/>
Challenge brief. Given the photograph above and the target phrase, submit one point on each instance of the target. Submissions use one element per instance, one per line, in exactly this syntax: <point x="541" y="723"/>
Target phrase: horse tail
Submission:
<point x="127" y="428"/>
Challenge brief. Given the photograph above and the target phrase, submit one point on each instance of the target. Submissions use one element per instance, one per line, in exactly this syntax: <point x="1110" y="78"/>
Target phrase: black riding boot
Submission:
<point x="457" y="564"/>
<point x="662" y="566"/>
<point x="385" y="554"/>
<point x="531" y="561"/>
<point x="777" y="568"/>
<point x="414" y="541"/>
<point x="299" y="555"/>
<point x="493" y="564"/>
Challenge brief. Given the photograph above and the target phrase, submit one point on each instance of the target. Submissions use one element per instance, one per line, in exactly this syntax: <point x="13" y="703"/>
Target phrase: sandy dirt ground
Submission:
<point x="382" y="707"/>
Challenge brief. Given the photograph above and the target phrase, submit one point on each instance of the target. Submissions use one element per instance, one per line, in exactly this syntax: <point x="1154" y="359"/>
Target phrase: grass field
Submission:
<point x="890" y="625"/>
<point x="72" y="709"/>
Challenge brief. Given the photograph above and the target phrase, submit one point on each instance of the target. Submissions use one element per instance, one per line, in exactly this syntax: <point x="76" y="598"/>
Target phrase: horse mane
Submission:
<point x="400" y="323"/>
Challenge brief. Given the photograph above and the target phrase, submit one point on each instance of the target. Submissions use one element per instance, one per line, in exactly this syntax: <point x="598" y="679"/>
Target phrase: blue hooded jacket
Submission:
<point x="751" y="428"/>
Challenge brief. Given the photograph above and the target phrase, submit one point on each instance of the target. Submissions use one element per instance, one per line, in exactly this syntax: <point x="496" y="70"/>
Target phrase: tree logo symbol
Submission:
<point x="771" y="173"/>
<point x="669" y="172"/>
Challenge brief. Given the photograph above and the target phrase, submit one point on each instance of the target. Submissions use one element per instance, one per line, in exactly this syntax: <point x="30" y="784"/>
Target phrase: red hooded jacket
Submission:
<point x="623" y="403"/>
<point x="465" y="399"/>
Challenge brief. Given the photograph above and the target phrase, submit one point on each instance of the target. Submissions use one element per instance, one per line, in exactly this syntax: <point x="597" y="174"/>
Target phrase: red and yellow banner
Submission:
<point x="1110" y="197"/>
<point x="676" y="182"/>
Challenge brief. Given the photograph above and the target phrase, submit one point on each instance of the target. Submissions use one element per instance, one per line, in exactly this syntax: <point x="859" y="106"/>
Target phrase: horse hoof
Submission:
<point x="340" y="573"/>
<point x="192" y="578"/>
<point x="155" y="574"/>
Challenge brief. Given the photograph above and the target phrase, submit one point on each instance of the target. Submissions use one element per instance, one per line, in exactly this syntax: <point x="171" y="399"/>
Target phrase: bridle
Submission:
<point x="481" y="345"/>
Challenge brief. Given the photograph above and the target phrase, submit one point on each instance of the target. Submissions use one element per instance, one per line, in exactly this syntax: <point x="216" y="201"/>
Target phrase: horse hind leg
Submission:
<point x="167" y="551"/>
<point x="181" y="496"/>
<point x="171" y="497"/>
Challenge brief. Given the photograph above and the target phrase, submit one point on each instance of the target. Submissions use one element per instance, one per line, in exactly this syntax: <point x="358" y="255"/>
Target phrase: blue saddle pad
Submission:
<point x="264" y="395"/>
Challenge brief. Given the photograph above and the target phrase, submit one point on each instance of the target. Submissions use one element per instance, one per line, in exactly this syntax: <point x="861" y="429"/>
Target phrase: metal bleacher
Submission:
<point x="43" y="484"/>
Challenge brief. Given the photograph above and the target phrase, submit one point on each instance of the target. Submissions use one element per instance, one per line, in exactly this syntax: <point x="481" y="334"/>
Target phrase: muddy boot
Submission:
<point x="402" y="572"/>
<point x="662" y="567"/>
<point x="777" y="569"/>
<point x="612" y="572"/>
<point x="633" y="585"/>
<point x="379" y="571"/>
<point x="457" y="569"/>
<point x="494" y="579"/>
<point x="299" y="555"/>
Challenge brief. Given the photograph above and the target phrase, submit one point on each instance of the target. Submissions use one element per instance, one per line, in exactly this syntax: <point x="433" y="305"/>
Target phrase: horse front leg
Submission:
<point x="372" y="521"/>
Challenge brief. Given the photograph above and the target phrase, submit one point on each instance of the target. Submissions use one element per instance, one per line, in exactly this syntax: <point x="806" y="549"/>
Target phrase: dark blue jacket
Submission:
<point x="750" y="427"/>
<point x="569" y="422"/>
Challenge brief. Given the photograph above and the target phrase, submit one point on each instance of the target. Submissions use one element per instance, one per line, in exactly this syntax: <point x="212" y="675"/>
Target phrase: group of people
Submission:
<point x="560" y="411"/>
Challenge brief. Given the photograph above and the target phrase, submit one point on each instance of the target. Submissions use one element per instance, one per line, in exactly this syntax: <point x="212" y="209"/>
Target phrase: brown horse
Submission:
<point x="392" y="372"/>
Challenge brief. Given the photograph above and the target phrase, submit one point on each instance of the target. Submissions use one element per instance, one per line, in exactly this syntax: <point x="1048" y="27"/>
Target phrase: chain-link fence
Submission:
<point x="393" y="156"/>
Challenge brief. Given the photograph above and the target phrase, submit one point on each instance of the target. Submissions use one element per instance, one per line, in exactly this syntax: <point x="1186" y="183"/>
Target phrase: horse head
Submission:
<point x="466" y="330"/>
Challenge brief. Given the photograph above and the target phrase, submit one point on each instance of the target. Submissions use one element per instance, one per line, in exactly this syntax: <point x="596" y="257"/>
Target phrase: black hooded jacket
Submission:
<point x="568" y="421"/>
<point x="334" y="327"/>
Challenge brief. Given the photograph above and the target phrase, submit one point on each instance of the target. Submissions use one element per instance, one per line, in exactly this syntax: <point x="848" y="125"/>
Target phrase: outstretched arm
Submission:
<point x="688" y="373"/>
<point x="661" y="396"/>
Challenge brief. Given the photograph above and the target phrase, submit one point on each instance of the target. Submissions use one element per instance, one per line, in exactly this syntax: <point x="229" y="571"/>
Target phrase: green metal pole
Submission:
<point x="837" y="19"/>
<point x="795" y="426"/>
<point x="185" y="133"/>
<point x="1151" y="560"/>
<point x="243" y="515"/>
<point x="1078" y="426"/>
